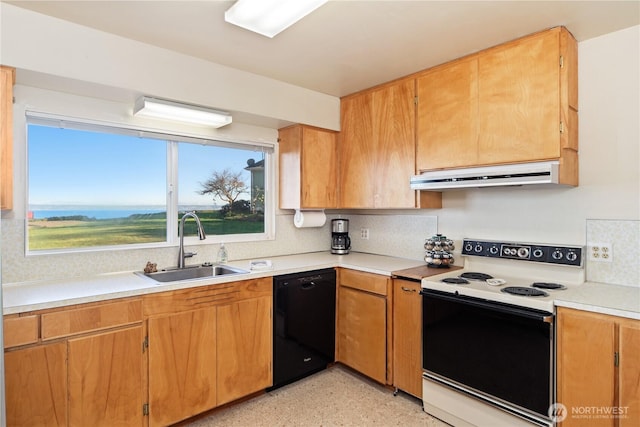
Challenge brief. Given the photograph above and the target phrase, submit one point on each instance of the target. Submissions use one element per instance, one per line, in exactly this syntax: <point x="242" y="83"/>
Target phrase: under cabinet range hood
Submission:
<point x="487" y="176"/>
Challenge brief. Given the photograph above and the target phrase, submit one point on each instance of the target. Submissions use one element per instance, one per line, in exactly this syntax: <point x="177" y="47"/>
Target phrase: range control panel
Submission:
<point x="550" y="254"/>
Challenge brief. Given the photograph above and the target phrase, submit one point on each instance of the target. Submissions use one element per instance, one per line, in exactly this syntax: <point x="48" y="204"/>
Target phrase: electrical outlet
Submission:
<point x="600" y="252"/>
<point x="364" y="233"/>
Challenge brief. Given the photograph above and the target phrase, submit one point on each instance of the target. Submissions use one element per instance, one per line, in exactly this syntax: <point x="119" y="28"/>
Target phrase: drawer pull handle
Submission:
<point x="408" y="289"/>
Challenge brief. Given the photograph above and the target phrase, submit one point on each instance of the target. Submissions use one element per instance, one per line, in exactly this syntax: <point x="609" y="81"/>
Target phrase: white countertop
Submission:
<point x="43" y="294"/>
<point x="22" y="297"/>
<point x="623" y="301"/>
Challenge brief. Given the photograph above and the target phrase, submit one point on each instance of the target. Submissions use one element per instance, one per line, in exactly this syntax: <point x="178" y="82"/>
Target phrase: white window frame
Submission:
<point x="172" y="138"/>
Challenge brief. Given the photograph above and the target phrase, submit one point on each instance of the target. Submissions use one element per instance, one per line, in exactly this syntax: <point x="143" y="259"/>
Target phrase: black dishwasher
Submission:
<point x="304" y="323"/>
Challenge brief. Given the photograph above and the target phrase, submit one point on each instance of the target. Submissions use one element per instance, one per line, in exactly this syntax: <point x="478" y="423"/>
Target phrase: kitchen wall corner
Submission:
<point x="624" y="236"/>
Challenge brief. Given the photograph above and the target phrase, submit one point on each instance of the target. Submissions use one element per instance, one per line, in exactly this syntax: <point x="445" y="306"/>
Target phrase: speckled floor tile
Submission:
<point x="334" y="397"/>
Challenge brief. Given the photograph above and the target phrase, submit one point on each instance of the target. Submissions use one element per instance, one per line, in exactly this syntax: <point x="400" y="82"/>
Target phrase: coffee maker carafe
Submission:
<point x="340" y="241"/>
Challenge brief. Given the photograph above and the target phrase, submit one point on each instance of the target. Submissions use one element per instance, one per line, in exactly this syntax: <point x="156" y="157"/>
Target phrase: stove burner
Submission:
<point x="455" y="281"/>
<point x="476" y="276"/>
<point x="544" y="285"/>
<point x="523" y="291"/>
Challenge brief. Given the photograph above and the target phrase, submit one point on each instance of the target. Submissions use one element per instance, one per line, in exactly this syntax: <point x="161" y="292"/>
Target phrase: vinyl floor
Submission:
<point x="333" y="397"/>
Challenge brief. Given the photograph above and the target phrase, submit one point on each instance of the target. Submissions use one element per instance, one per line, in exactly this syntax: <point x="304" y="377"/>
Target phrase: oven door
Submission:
<point x="500" y="352"/>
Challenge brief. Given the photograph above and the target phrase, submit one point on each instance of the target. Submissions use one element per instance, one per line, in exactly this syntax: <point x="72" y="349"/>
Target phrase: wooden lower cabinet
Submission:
<point x="36" y="385"/>
<point x="76" y="366"/>
<point x="407" y="337"/>
<point x="182" y="365"/>
<point x="105" y="379"/>
<point x="598" y="369"/>
<point x="629" y="372"/>
<point x="362" y="323"/>
<point x="208" y="346"/>
<point x="244" y="348"/>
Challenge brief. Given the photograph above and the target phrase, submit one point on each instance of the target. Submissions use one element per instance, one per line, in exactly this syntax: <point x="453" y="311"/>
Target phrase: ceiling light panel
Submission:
<point x="185" y="113"/>
<point x="269" y="17"/>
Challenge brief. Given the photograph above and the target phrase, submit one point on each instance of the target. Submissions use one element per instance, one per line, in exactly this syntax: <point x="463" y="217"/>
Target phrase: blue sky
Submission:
<point x="71" y="167"/>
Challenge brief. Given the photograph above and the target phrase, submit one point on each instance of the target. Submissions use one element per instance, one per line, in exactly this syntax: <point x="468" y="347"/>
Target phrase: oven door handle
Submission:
<point x="530" y="313"/>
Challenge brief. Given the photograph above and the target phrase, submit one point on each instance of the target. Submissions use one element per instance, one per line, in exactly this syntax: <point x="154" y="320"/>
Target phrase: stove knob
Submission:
<point x="493" y="250"/>
<point x="478" y="248"/>
<point x="557" y="254"/>
<point x="523" y="252"/>
<point x="572" y="256"/>
<point x="468" y="247"/>
<point x="537" y="253"/>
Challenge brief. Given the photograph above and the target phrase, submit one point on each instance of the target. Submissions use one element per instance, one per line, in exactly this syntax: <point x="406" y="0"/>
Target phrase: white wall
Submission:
<point x="41" y="44"/>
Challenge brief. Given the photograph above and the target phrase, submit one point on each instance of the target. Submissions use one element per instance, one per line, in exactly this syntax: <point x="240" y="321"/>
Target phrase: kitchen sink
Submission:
<point x="191" y="273"/>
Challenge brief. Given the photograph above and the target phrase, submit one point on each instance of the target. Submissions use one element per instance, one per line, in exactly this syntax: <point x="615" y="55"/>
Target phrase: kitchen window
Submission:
<point x="96" y="186"/>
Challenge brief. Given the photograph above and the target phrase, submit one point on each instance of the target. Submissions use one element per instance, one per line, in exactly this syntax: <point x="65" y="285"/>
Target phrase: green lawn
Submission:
<point x="150" y="228"/>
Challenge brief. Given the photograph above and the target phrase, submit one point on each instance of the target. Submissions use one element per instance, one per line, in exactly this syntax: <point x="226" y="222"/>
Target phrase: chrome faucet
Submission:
<point x="181" y="253"/>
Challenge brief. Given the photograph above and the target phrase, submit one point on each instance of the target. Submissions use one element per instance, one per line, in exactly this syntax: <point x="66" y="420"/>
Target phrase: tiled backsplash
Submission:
<point x="395" y="235"/>
<point x="624" y="236"/>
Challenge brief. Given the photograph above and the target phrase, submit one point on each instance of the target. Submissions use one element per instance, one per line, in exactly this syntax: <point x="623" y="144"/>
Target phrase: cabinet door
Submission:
<point x="519" y="102"/>
<point x="357" y="152"/>
<point x="394" y="152"/>
<point x="244" y="348"/>
<point x="586" y="347"/>
<point x="319" y="169"/>
<point x="362" y="330"/>
<point x="308" y="168"/>
<point x="7" y="79"/>
<point x="407" y="337"/>
<point x="105" y="379"/>
<point x="377" y="147"/>
<point x="447" y="134"/>
<point x="182" y="365"/>
<point x="36" y="386"/>
<point x="629" y="373"/>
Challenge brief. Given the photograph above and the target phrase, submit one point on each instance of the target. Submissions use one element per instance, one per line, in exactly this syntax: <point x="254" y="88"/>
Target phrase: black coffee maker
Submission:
<point x="340" y="241"/>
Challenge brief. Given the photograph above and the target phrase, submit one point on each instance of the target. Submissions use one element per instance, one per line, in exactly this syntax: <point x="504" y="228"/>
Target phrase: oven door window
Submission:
<point x="486" y="346"/>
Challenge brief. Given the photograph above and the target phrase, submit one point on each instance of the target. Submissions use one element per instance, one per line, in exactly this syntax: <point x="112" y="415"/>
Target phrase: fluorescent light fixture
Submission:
<point x="269" y="17"/>
<point x="175" y="111"/>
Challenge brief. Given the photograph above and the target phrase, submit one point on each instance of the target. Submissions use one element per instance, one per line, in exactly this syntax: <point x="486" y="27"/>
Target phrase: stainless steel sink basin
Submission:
<point x="191" y="273"/>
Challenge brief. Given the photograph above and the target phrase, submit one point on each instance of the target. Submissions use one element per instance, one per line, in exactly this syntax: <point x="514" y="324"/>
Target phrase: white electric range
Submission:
<point x="489" y="355"/>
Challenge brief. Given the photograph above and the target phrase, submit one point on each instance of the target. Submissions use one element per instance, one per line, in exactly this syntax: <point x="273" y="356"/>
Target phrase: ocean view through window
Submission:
<point x="99" y="187"/>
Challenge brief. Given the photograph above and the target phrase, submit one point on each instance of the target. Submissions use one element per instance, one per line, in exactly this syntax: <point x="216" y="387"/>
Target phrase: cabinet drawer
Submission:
<point x="368" y="282"/>
<point x="69" y="322"/>
<point x="204" y="296"/>
<point x="20" y="330"/>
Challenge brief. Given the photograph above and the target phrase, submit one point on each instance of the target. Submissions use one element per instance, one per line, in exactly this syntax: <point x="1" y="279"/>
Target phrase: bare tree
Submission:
<point x="225" y="185"/>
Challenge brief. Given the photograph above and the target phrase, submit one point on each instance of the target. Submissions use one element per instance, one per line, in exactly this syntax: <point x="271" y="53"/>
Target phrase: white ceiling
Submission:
<point x="344" y="46"/>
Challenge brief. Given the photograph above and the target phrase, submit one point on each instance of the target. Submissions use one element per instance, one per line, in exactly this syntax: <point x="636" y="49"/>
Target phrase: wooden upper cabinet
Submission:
<point x="447" y="116"/>
<point x="377" y="149"/>
<point x="7" y="80"/>
<point x="308" y="168"/>
<point x="357" y="152"/>
<point x="519" y="102"/>
<point x="513" y="103"/>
